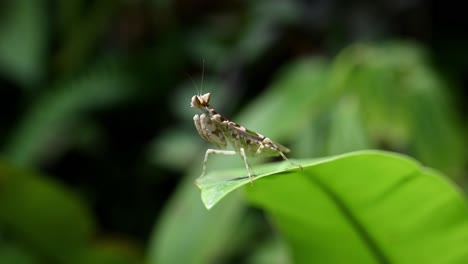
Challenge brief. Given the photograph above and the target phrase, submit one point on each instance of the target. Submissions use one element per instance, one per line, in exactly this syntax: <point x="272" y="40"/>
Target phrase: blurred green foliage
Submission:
<point x="97" y="145"/>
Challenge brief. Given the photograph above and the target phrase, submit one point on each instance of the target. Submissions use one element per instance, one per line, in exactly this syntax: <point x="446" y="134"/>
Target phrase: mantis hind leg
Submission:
<point x="286" y="158"/>
<point x="249" y="171"/>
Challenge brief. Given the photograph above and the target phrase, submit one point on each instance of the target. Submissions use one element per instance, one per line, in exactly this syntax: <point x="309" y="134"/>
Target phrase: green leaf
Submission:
<point x="17" y="255"/>
<point x="216" y="185"/>
<point x="362" y="207"/>
<point x="187" y="225"/>
<point x="299" y="93"/>
<point x="41" y="214"/>
<point x="403" y="102"/>
<point x="108" y="252"/>
<point x="347" y="131"/>
<point x="23" y="32"/>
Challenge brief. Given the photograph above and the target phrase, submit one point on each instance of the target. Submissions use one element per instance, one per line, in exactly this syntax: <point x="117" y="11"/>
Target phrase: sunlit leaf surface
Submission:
<point x="381" y="207"/>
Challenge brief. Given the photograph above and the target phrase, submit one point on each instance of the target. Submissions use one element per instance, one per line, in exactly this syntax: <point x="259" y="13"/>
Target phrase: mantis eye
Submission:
<point x="205" y="98"/>
<point x="196" y="102"/>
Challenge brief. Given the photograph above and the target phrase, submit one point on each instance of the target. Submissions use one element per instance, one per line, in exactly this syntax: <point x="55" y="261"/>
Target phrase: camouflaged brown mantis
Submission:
<point x="220" y="131"/>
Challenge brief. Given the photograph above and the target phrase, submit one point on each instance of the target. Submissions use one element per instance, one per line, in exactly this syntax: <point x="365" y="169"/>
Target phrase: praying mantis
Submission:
<point x="220" y="131"/>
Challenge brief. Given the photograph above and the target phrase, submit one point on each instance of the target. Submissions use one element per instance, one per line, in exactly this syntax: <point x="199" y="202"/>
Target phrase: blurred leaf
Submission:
<point x="435" y="122"/>
<point x="347" y="132"/>
<point x="187" y="225"/>
<point x="23" y="39"/>
<point x="43" y="214"/>
<point x="265" y="18"/>
<point x="403" y="101"/>
<point x="110" y="252"/>
<point x="298" y="94"/>
<point x="273" y="251"/>
<point x="15" y="255"/>
<point x="166" y="151"/>
<point x="406" y="213"/>
<point x="311" y="141"/>
<point x="54" y="113"/>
